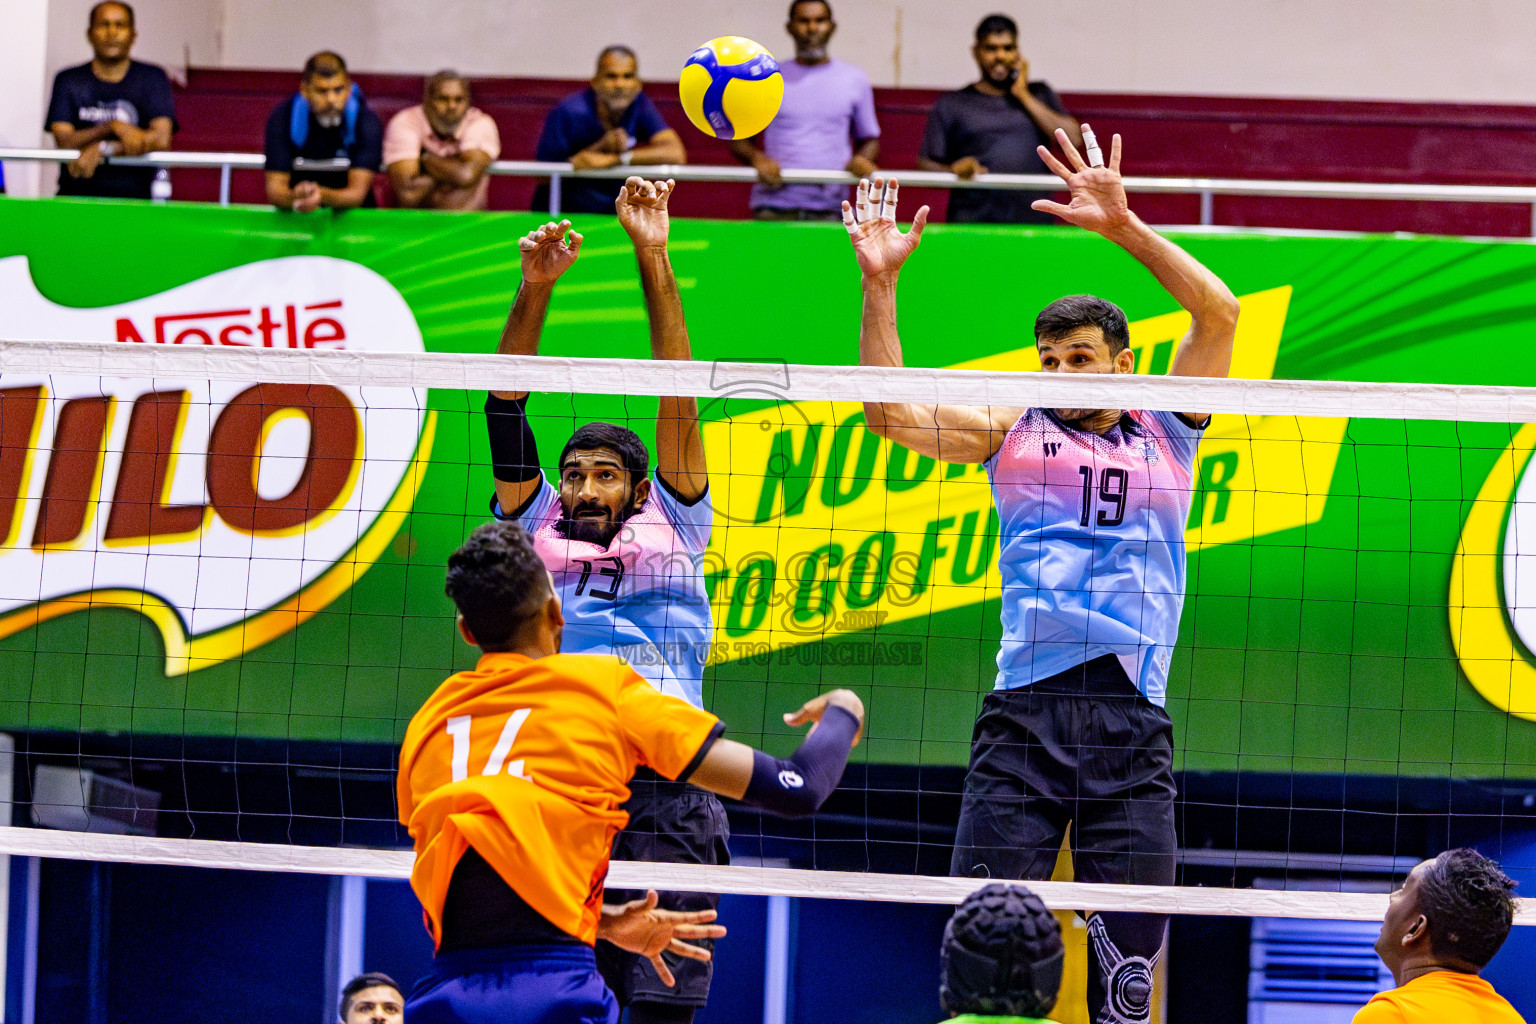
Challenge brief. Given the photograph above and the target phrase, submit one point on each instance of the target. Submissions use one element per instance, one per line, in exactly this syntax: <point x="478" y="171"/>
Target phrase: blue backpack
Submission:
<point x="298" y="123"/>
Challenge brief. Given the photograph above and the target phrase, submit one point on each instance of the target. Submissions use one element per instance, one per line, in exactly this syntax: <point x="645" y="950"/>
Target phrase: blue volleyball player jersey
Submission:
<point x="1092" y="558"/>
<point x="643" y="596"/>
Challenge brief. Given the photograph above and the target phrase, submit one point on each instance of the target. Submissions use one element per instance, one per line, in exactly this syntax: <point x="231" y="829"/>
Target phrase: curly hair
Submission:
<point x="1470" y="905"/>
<point x="497" y="581"/>
<point x="1002" y="955"/>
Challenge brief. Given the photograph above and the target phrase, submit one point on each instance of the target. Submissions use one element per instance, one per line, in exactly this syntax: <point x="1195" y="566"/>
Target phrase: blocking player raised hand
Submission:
<point x="642" y="210"/>
<point x="878" y="243"/>
<point x="549" y="251"/>
<point x="1098" y="193"/>
<point x="639" y="926"/>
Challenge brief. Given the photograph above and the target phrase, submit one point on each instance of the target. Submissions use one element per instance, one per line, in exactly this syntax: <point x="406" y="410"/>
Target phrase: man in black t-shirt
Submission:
<point x="994" y="125"/>
<point x="111" y="105"/>
<point x="323" y="145"/>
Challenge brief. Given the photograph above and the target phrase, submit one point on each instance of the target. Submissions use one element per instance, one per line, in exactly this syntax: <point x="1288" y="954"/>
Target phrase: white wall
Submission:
<point x="23" y="83"/>
<point x="1470" y="50"/>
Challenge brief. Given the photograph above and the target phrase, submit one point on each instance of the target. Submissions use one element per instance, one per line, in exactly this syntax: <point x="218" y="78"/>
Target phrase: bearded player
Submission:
<point x="625" y="548"/>
<point x="1092" y="505"/>
<point x="512" y="780"/>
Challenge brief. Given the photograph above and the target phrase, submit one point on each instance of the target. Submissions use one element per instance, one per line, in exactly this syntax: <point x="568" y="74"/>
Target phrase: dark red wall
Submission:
<point x="1179" y="136"/>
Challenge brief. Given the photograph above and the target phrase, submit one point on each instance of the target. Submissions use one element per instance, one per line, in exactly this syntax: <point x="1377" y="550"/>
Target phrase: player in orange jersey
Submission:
<point x="511" y="780"/>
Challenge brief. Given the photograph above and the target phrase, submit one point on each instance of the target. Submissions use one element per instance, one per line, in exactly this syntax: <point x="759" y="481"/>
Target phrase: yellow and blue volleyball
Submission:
<point x="731" y="88"/>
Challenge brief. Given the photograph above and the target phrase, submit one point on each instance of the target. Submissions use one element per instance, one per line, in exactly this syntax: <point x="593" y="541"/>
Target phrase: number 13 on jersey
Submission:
<point x="458" y="730"/>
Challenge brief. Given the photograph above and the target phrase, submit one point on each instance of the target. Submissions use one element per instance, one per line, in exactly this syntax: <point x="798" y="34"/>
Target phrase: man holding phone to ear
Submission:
<point x="994" y="125"/>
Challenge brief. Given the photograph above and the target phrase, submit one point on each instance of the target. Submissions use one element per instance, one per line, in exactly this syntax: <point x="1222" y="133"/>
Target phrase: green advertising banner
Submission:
<point x="1354" y="602"/>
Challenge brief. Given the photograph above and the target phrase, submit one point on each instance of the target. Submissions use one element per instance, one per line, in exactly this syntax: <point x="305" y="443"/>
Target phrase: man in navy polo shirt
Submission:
<point x="112" y="105"/>
<point x="323" y="145"/>
<point x="611" y="122"/>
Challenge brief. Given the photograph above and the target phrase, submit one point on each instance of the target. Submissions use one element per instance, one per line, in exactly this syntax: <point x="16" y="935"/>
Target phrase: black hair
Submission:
<point x="1002" y="955"/>
<point x="621" y="50"/>
<point x="796" y="3"/>
<point x="622" y="441"/>
<point x="996" y="25"/>
<point x="1066" y="315"/>
<point x="498" y="582"/>
<point x="91" y="21"/>
<point x="324" y="64"/>
<point x="446" y="75"/>
<point x="1470" y="906"/>
<point x="362" y="981"/>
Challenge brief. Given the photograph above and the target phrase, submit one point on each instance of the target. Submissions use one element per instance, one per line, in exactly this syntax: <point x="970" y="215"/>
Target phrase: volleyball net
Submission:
<point x="221" y="601"/>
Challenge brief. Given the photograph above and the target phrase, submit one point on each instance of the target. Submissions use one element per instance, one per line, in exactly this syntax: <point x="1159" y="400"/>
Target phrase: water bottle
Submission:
<point x="160" y="191"/>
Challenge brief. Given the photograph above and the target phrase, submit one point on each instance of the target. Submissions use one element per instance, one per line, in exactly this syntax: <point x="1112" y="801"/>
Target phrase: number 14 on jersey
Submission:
<point x="458" y="731"/>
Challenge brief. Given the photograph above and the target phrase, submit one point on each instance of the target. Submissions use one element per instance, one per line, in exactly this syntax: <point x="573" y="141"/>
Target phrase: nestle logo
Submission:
<point x="290" y="326"/>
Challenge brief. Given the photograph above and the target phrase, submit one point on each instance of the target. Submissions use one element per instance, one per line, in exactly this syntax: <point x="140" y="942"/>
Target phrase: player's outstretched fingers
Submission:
<point x="888" y="201"/>
<point x="1073" y="155"/>
<point x="1057" y="167"/>
<point x="575" y="243"/>
<point x="690" y="951"/>
<point x="862" y="201"/>
<point x="1046" y="206"/>
<point x="1114" y="153"/>
<point x="849" y="221"/>
<point x="919" y="221"/>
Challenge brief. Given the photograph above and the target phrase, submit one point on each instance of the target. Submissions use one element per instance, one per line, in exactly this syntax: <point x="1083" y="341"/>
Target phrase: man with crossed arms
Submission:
<point x="1092" y="505"/>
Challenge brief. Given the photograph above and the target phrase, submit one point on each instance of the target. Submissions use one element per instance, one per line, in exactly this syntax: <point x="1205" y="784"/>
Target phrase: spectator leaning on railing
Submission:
<point x="110" y="105"/>
<point x="993" y="125"/>
<point x="610" y="123"/>
<point x="827" y="122"/>
<point x="323" y="144"/>
<point x="436" y="152"/>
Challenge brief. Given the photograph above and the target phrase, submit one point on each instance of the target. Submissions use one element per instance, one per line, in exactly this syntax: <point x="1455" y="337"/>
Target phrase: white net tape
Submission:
<point x="458" y="371"/>
<point x="737" y="880"/>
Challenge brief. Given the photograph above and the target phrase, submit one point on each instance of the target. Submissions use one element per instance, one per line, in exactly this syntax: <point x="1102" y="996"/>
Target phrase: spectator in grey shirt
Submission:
<point x="993" y="125"/>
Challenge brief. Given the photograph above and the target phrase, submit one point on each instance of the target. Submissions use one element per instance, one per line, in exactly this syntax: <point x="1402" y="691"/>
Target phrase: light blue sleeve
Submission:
<point x="693" y="523"/>
<point x="1182" y="438"/>
<point x="544" y="507"/>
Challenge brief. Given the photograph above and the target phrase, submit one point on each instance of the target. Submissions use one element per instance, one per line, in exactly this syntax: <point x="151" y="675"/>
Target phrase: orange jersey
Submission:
<point x="1439" y="997"/>
<point x="527" y="760"/>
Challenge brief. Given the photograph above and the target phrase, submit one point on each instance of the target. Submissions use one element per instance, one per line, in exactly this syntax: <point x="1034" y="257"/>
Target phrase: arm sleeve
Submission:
<point x="60" y="107"/>
<point x="666" y="733"/>
<point x="693" y="523"/>
<point x="158" y="101"/>
<point x="936" y="136"/>
<point x="368" y="150"/>
<point x="648" y="120"/>
<point x="865" y="124"/>
<point x="799" y="786"/>
<point x="279" y="147"/>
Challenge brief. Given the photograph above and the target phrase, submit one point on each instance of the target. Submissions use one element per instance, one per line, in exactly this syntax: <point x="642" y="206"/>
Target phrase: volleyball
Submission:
<point x="731" y="88"/>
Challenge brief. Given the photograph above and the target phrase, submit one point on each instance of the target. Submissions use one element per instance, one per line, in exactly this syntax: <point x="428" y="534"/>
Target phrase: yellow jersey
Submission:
<point x="528" y="761"/>
<point x="1439" y="997"/>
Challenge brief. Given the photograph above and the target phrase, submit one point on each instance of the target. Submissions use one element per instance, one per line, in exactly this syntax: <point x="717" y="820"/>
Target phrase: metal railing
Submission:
<point x="1206" y="188"/>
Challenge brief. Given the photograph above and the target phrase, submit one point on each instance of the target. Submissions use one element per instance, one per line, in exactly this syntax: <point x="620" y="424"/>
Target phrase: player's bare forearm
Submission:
<point x="679" y="443"/>
<point x="1206" y="350"/>
<point x="525" y="323"/>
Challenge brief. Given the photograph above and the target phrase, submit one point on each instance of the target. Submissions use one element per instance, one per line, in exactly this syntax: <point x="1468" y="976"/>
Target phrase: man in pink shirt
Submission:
<point x="436" y="152"/>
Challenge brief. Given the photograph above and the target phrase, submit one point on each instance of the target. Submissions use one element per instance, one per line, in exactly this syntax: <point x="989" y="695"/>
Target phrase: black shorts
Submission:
<point x="1083" y="748"/>
<point x="669" y="823"/>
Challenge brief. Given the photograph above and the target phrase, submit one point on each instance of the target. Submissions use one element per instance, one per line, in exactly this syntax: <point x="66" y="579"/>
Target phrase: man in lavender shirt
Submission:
<point x="827" y="122"/>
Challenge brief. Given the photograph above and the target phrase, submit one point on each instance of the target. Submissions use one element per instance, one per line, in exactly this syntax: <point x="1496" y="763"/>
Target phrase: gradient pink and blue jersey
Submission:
<point x="643" y="596"/>
<point x="1092" y="558"/>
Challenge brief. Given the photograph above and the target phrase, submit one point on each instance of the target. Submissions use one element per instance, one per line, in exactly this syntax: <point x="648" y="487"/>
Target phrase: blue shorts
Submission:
<point x="527" y="984"/>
